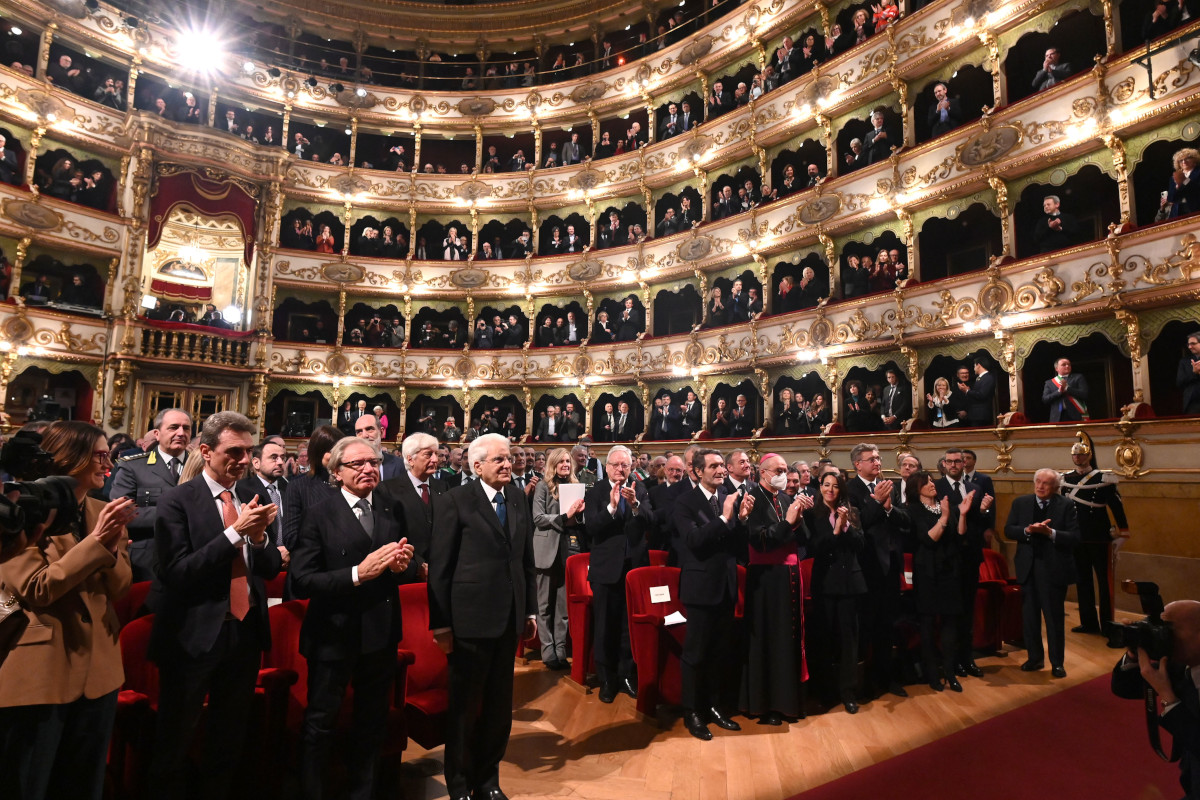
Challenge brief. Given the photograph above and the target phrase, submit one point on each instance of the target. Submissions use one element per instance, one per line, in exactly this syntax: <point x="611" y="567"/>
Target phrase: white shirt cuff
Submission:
<point x="235" y="538"/>
<point x="354" y="575"/>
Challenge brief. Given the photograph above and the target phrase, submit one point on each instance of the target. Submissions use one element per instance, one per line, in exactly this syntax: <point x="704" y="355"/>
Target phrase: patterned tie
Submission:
<point x="501" y="509"/>
<point x="173" y="466"/>
<point x="425" y="493"/>
<point x="273" y="491"/>
<point x="716" y="506"/>
<point x="239" y="584"/>
<point x="365" y="517"/>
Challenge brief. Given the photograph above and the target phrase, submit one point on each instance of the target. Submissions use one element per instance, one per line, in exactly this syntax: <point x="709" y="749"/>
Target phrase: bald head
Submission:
<point x="1184" y="616"/>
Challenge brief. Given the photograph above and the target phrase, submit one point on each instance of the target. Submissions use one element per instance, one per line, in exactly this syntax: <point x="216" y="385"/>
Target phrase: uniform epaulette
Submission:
<point x="134" y="457"/>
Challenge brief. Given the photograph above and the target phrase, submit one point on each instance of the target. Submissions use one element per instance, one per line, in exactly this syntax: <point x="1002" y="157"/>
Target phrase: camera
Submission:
<point x="27" y="504"/>
<point x="1151" y="634"/>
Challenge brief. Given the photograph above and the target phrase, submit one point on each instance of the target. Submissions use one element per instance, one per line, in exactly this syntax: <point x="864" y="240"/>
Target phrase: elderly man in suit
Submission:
<point x="1066" y="394"/>
<point x="349" y="554"/>
<point x="414" y="492"/>
<point x="144" y="477"/>
<point x="210" y="627"/>
<point x="366" y="427"/>
<point x="1046" y="530"/>
<point x="618" y="517"/>
<point x="481" y="596"/>
<point x="711" y="531"/>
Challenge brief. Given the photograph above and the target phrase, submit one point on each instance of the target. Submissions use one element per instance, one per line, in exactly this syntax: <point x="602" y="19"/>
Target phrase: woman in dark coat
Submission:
<point x="835" y="541"/>
<point x="719" y="425"/>
<point x="787" y="418"/>
<point x="938" y="530"/>
<point x="312" y="487"/>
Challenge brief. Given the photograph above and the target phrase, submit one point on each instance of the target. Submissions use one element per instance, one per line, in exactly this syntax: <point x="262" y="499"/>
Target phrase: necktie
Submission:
<point x="365" y="518"/>
<point x="1042" y="505"/>
<point x="716" y="507"/>
<point x="621" y="507"/>
<point x="425" y="493"/>
<point x="871" y="486"/>
<point x="239" y="585"/>
<point x="957" y="494"/>
<point x="501" y="509"/>
<point x="173" y="465"/>
<point x="273" y="491"/>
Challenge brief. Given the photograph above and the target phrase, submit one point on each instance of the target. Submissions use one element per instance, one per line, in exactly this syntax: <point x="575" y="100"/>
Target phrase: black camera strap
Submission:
<point x="1151" y="697"/>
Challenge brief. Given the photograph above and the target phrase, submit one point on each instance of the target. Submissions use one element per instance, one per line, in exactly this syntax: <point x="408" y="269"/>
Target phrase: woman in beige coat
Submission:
<point x="58" y="685"/>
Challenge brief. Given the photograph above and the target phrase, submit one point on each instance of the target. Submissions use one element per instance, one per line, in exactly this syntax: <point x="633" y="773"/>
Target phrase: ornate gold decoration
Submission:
<point x="988" y="145"/>
<point x="337" y="271"/>
<point x="32" y="215"/>
<point x="820" y="89"/>
<point x="350" y="98"/>
<point x="586" y="179"/>
<point x="1128" y="453"/>
<point x="586" y="270"/>
<point x="695" y="50"/>
<point x="469" y="278"/>
<point x="696" y="147"/>
<point x="76" y="9"/>
<point x="17" y="329"/>
<point x="476" y="106"/>
<point x="45" y="105"/>
<point x="820" y="208"/>
<point x="472" y="190"/>
<point x="347" y="183"/>
<point x="694" y="247"/>
<point x="589" y="92"/>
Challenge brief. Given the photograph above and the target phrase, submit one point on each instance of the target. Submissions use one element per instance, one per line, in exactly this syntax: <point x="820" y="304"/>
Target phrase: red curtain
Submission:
<point x="213" y="198"/>
<point x="179" y="291"/>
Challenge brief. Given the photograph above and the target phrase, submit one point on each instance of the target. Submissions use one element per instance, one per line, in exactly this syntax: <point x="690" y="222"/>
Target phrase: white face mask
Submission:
<point x="779" y="482"/>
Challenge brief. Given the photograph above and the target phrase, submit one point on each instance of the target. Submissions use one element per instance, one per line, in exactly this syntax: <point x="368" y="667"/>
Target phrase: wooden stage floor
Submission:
<point x="567" y="744"/>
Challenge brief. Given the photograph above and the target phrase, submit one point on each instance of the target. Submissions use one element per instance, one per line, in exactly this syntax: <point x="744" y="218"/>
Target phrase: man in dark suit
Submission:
<point x="346" y="418"/>
<point x="8" y="163"/>
<point x="366" y="427"/>
<point x="665" y="422"/>
<point x="895" y="402"/>
<point x="979" y="396"/>
<point x="144" y="478"/>
<point x="630" y="322"/>
<point x="719" y="101"/>
<point x="210" y="627"/>
<point x="624" y="428"/>
<point x="1066" y="394"/>
<point x="879" y="141"/>
<point x="413" y="492"/>
<point x="348" y="556"/>
<point x="265" y="479"/>
<point x="481" y="595"/>
<point x="980" y="519"/>
<point x="550" y="428"/>
<point x="886" y="527"/>
<point x="618" y="518"/>
<point x="1174" y="680"/>
<point x="572" y="423"/>
<point x="946" y="112"/>
<point x="711" y="531"/>
<point x="662" y="498"/>
<point x="741" y="419"/>
<point x="1046" y="530"/>
<point x="692" y="414"/>
<point x="1187" y="378"/>
<point x="1055" y="230"/>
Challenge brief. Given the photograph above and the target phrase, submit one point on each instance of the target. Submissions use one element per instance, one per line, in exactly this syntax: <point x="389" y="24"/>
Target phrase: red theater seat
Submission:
<point x="425" y="688"/>
<point x="656" y="647"/>
<point x="658" y="558"/>
<point x="579" y="616"/>
<point x="132" y="605"/>
<point x="998" y="604"/>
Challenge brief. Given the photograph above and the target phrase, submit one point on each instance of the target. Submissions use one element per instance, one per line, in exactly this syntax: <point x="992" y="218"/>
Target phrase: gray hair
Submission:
<point x="339" y="450"/>
<point x="577" y="449"/>
<point x="1053" y="197"/>
<point x="222" y="421"/>
<point x="859" y="449"/>
<point x="479" y="447"/>
<point x="416" y="443"/>
<point x="1053" y="473"/>
<point x="617" y="450"/>
<point x="162" y="415"/>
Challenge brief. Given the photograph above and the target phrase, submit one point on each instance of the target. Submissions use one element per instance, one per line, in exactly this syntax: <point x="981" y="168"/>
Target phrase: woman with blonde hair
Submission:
<point x="943" y="407"/>
<point x="1183" y="189"/>
<point x="59" y="684"/>
<point x="556" y="535"/>
<point x="193" y="464"/>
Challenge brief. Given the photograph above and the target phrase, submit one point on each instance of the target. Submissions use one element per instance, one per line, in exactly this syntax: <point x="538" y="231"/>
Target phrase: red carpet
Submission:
<point x="1079" y="744"/>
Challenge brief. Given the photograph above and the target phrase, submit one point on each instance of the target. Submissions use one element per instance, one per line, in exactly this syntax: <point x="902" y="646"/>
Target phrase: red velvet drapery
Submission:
<point x="208" y="197"/>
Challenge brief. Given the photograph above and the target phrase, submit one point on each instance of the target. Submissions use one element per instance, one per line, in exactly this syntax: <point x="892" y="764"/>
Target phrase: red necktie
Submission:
<point x="239" y="585"/>
<point x="425" y="493"/>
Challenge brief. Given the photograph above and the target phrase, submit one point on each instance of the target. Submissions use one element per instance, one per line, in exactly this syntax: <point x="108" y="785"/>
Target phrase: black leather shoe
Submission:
<point x="490" y="794"/>
<point x="608" y="692"/>
<point x="960" y="671"/>
<point x="695" y="726"/>
<point x="460" y="796"/>
<point x="973" y="670"/>
<point x="1058" y="672"/>
<point x="722" y="721"/>
<point x="1032" y="666"/>
<point x="770" y="718"/>
<point x="935" y="685"/>
<point x="562" y="665"/>
<point x="897" y="690"/>
<point x="851" y="707"/>
<point x="1084" y="629"/>
<point x="626" y="685"/>
<point x="954" y="685"/>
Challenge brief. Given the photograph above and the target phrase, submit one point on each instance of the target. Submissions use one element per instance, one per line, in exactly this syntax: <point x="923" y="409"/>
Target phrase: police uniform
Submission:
<point x="143" y="478"/>
<point x="1094" y="493"/>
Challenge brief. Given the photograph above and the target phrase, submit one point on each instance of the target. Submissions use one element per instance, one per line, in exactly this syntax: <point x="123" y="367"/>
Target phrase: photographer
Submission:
<point x="58" y="686"/>
<point x="1175" y="679"/>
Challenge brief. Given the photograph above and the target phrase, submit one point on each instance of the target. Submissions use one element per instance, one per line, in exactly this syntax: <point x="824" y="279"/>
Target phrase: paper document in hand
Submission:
<point x="674" y="618"/>
<point x="568" y="493"/>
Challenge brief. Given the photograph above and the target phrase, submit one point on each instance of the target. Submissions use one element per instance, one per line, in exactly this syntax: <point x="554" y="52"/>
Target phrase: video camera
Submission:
<point x="1151" y="634"/>
<point x="27" y="504"/>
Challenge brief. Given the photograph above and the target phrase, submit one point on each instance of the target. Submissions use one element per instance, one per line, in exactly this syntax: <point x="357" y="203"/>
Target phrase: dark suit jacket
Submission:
<point x="481" y="576"/>
<point x="692" y="418"/>
<point x="344" y="620"/>
<point x="953" y="117"/>
<point x="741" y="421"/>
<point x="1184" y="199"/>
<point x="837" y="570"/>
<point x="1189" y="382"/>
<point x="708" y="550"/>
<point x="543" y="428"/>
<point x="1061" y="409"/>
<point x="143" y="479"/>
<point x="901" y="404"/>
<point x="663" y="497"/>
<point x="304" y="492"/>
<point x="412" y="513"/>
<point x="251" y="483"/>
<point x="978" y="520"/>
<point x="392" y="467"/>
<point x="980" y="400"/>
<point x="1182" y="721"/>
<point x="613" y="540"/>
<point x="195" y="563"/>
<point x="1055" y="560"/>
<point x="877" y="149"/>
<point x="666" y="426"/>
<point x="885" y="532"/>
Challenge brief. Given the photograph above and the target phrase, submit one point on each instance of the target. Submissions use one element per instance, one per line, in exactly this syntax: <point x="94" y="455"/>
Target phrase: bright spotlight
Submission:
<point x="232" y="315"/>
<point x="361" y="92"/>
<point x="199" y="51"/>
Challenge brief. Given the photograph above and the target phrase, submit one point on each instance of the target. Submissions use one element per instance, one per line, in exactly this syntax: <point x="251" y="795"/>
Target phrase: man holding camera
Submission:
<point x="1175" y="679"/>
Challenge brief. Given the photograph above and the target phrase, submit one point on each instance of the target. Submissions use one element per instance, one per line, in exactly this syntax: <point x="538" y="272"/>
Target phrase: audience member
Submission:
<point x="1055" y="230"/>
<point x="1066" y="394"/>
<point x="946" y="112"/>
<point x="1052" y="72"/>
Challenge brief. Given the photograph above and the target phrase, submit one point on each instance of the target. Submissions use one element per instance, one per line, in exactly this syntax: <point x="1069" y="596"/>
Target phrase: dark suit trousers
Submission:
<point x="373" y="676"/>
<point x="610" y="644"/>
<point x="964" y="647"/>
<point x="1092" y="557"/>
<point x="840" y="616"/>
<point x="707" y="645"/>
<point x="1041" y="598"/>
<point x="56" y="750"/>
<point x="882" y="609"/>
<point x="479" y="717"/>
<point x="226" y="675"/>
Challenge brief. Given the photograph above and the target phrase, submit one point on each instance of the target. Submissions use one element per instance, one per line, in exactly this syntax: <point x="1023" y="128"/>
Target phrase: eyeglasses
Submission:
<point x="358" y="466"/>
<point x="102" y="456"/>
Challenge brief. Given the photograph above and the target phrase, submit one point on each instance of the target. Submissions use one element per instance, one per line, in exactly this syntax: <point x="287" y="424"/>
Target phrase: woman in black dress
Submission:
<point x="717" y="313"/>
<point x="835" y="542"/>
<point x="938" y="530"/>
<point x="312" y="487"/>
<point x="787" y="418"/>
<point x="719" y="426"/>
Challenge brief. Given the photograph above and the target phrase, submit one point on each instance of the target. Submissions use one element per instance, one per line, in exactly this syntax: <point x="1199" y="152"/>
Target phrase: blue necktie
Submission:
<point x="501" y="509"/>
<point x="621" y="507"/>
